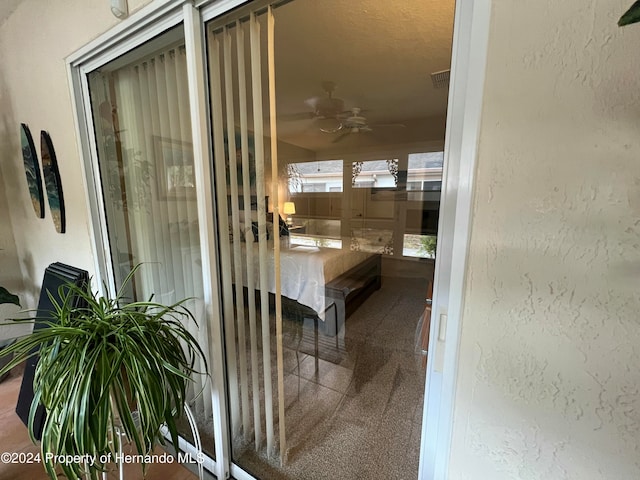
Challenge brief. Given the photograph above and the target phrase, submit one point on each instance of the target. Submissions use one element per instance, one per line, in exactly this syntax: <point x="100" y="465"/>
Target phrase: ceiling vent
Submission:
<point x="440" y="79"/>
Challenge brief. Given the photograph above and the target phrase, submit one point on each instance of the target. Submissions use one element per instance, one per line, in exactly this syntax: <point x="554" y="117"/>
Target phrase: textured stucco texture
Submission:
<point x="549" y="382"/>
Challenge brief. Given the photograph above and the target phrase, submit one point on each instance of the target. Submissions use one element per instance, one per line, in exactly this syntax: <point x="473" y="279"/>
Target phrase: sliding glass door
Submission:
<point x="326" y="138"/>
<point x="141" y="115"/>
<point x="325" y="149"/>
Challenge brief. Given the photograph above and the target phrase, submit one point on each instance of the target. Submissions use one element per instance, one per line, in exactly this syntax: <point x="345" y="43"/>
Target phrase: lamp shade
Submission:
<point x="289" y="208"/>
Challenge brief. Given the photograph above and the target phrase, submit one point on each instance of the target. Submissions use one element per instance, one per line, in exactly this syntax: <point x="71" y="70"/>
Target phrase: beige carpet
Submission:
<point x="354" y="405"/>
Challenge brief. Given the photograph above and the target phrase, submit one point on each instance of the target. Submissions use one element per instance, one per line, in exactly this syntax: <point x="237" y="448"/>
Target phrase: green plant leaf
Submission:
<point x="8" y="297"/>
<point x="630" y="16"/>
<point x="104" y="366"/>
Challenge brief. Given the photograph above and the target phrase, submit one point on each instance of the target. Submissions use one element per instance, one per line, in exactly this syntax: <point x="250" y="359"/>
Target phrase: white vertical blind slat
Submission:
<point x="151" y="123"/>
<point x="187" y="210"/>
<point x="276" y="229"/>
<point x="223" y="226"/>
<point x="179" y="204"/>
<point x="194" y="234"/>
<point x="246" y="190"/>
<point x="146" y="156"/>
<point x="237" y="255"/>
<point x="256" y="83"/>
<point x="178" y="238"/>
<point x="172" y="256"/>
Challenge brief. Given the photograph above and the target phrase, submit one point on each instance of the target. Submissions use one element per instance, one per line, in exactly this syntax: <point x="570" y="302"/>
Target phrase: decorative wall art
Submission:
<point x="52" y="181"/>
<point x="32" y="170"/>
<point x="175" y="172"/>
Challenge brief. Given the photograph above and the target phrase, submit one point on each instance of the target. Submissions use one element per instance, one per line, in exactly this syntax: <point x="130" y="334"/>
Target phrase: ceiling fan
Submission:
<point x="322" y="106"/>
<point x="326" y="106"/>
<point x="354" y="122"/>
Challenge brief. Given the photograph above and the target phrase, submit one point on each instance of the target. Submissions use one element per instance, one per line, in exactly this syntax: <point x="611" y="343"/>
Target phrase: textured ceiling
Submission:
<point x="380" y="54"/>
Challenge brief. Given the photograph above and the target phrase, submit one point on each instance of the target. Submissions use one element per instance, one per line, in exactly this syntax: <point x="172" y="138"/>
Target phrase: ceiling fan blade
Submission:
<point x="352" y="112"/>
<point x="325" y="107"/>
<point x="341" y="137"/>
<point x="294" y="117"/>
<point x="399" y="125"/>
<point x="312" y="102"/>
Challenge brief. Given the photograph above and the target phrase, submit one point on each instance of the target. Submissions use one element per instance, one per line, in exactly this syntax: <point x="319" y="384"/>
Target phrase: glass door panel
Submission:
<point x="142" y="125"/>
<point x="249" y="235"/>
<point x="323" y="314"/>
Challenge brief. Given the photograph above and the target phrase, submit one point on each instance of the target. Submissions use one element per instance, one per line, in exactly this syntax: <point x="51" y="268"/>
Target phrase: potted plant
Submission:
<point x="107" y="368"/>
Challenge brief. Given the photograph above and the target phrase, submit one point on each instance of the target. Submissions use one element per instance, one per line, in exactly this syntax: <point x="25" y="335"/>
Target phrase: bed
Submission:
<point x="331" y="282"/>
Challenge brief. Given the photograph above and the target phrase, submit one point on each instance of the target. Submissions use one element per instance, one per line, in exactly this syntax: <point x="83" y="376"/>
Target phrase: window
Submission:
<point x="420" y="246"/>
<point x="432" y="186"/>
<point x="320" y="176"/>
<point x="424" y="172"/>
<point x="375" y="174"/>
<point x="314" y="187"/>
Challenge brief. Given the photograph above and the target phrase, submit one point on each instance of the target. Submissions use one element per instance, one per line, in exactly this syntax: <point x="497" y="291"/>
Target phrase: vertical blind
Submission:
<point x="143" y="133"/>
<point x="242" y="160"/>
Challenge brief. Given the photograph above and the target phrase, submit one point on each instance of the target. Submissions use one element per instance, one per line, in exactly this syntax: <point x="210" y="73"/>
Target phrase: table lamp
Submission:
<point x="289" y="209"/>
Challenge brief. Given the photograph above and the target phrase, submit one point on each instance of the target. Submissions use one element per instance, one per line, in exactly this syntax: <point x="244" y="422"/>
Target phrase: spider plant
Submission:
<point x="106" y="366"/>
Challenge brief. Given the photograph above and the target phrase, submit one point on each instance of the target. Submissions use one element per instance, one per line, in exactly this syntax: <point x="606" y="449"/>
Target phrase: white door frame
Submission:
<point x="469" y="53"/>
<point x="468" y="66"/>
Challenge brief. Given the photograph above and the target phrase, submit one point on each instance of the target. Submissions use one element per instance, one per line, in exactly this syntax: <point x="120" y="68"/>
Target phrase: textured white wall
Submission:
<point x="35" y="38"/>
<point x="550" y="351"/>
<point x="10" y="276"/>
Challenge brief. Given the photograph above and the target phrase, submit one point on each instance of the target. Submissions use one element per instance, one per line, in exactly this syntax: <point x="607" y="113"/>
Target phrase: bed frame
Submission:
<point x="343" y="295"/>
<point x="347" y="292"/>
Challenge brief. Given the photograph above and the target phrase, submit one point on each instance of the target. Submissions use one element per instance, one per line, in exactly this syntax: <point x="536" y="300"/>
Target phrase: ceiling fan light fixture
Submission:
<point x="332" y="130"/>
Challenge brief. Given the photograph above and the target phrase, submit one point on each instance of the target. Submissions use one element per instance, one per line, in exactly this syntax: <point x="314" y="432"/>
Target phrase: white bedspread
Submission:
<point x="304" y="271"/>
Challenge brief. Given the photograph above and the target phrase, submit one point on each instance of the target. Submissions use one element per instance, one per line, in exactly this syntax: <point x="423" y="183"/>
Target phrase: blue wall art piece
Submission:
<point x="32" y="170"/>
<point x="52" y="181"/>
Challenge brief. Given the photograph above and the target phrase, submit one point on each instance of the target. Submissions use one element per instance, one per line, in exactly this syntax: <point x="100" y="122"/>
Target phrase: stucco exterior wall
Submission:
<point x="35" y="39"/>
<point x="549" y="384"/>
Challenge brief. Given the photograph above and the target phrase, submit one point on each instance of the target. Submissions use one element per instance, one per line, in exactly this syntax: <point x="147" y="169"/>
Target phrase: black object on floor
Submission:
<point x="55" y="275"/>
